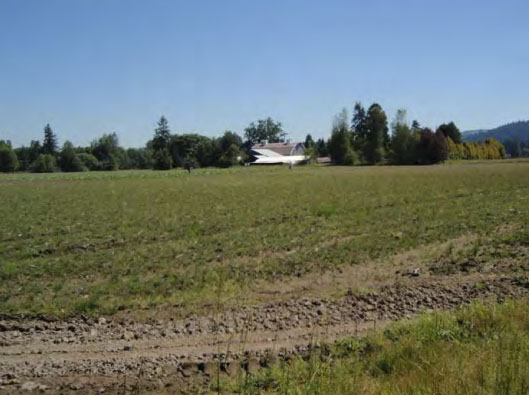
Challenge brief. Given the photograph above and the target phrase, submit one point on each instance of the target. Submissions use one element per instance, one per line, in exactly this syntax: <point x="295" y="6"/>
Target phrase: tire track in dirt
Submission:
<point x="58" y="354"/>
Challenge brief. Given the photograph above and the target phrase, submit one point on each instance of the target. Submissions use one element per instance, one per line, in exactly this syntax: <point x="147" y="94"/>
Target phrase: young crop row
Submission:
<point x="138" y="242"/>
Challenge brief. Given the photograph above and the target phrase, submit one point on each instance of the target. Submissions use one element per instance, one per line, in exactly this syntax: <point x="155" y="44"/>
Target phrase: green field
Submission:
<point x="133" y="241"/>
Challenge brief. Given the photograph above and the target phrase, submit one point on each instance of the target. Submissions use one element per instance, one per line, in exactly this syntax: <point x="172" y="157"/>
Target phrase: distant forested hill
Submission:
<point x="511" y="131"/>
<point x="514" y="136"/>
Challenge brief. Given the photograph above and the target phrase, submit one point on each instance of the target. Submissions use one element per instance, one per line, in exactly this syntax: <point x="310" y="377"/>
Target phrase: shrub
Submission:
<point x="229" y="157"/>
<point x="139" y="158"/>
<point x="162" y="160"/>
<point x="45" y="163"/>
<point x="69" y="161"/>
<point x="351" y="157"/>
<point x="109" y="163"/>
<point x="8" y="159"/>
<point x="89" y="161"/>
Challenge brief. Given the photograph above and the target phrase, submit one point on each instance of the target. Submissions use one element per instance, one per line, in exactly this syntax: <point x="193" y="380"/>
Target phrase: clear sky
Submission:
<point x="94" y="66"/>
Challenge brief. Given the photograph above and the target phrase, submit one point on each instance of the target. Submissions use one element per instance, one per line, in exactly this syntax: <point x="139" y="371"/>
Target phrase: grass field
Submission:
<point x="101" y="243"/>
<point x="478" y="350"/>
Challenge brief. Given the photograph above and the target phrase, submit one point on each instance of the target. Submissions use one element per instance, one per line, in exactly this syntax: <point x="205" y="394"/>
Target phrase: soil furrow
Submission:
<point x="57" y="354"/>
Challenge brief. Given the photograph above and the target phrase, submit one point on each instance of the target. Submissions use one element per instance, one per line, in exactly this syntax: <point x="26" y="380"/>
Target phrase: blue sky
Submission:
<point x="94" y="66"/>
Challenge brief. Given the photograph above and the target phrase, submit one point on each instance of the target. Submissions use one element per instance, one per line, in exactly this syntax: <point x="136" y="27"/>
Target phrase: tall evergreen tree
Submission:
<point x="321" y="148"/>
<point x="309" y="141"/>
<point x="415" y="126"/>
<point x="359" y="127"/>
<point x="160" y="144"/>
<point x="377" y="139"/>
<point x="162" y="135"/>
<point x="309" y="150"/>
<point x="49" y="145"/>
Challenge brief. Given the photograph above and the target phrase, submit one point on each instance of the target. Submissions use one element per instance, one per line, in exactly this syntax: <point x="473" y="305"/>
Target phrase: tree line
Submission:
<point x="366" y="139"/>
<point x="164" y="151"/>
<point x="517" y="147"/>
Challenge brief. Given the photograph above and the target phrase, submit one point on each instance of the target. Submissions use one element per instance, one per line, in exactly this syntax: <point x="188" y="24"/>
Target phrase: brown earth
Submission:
<point x="179" y="355"/>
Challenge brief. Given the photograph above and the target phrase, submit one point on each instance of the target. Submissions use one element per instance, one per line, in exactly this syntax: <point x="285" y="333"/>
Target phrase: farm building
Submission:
<point x="266" y="153"/>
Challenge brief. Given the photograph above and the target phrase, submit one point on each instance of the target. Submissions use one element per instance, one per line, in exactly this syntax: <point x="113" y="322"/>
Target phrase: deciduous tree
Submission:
<point x="45" y="163"/>
<point x="265" y="129"/>
<point x="68" y="159"/>
<point x="107" y="151"/>
<point x="339" y="146"/>
<point x="162" y="160"/>
<point x="403" y="143"/>
<point x="450" y="130"/>
<point x="433" y="147"/>
<point x="8" y="158"/>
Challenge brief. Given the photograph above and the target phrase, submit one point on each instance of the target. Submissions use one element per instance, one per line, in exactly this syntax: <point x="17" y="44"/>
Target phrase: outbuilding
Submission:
<point x="265" y="153"/>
